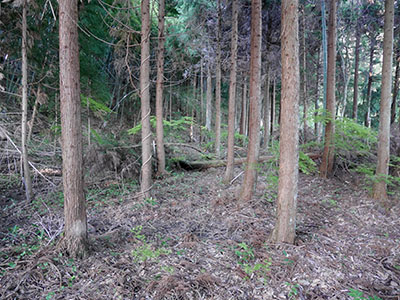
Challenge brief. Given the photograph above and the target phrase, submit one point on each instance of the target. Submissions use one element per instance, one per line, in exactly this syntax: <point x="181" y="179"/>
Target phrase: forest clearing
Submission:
<point x="205" y="149"/>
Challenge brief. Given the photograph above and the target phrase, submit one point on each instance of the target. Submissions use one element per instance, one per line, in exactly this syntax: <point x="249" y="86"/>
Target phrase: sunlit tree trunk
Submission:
<point x="356" y="67"/>
<point x="382" y="168"/>
<point x="243" y="111"/>
<point x="145" y="100"/>
<point x="209" y="98"/>
<point x="395" y="87"/>
<point x="326" y="167"/>
<point x="75" y="237"/>
<point x="316" y="104"/>
<point x="273" y="107"/>
<point x="367" y="120"/>
<point x="254" y="105"/>
<point x="267" y="110"/>
<point x="232" y="94"/>
<point x="201" y="93"/>
<point x="284" y="230"/>
<point x="218" y="87"/>
<point x="25" y="162"/>
<point x="160" y="90"/>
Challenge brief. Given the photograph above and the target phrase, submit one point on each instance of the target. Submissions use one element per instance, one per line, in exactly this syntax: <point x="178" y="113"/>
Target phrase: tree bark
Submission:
<point x="284" y="230"/>
<point x="146" y="171"/>
<point x="395" y="87"/>
<point x="25" y="161"/>
<point x="273" y="107"/>
<point x="382" y="168"/>
<point x="267" y="111"/>
<point x="326" y="167"/>
<point x="209" y="98"/>
<point x="243" y="112"/>
<point x="75" y="237"/>
<point x="356" y="68"/>
<point x="304" y="80"/>
<point x="367" y="120"/>
<point x="254" y="111"/>
<point x="232" y="94"/>
<point x="160" y="90"/>
<point x="218" y="87"/>
<point x="316" y="104"/>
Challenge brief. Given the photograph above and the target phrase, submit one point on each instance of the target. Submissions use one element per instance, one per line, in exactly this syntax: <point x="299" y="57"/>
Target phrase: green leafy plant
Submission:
<point x="359" y="295"/>
<point x="293" y="290"/>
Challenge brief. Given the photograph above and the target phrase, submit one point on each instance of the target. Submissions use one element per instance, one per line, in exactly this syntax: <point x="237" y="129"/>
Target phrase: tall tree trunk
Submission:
<point x="324" y="53"/>
<point x="382" y="168"/>
<point x="284" y="230"/>
<point x="395" y="87"/>
<point x="160" y="90"/>
<point x="273" y="107"/>
<point x="267" y="110"/>
<point x="254" y="111"/>
<point x="316" y="104"/>
<point x="232" y="94"/>
<point x="243" y="112"/>
<point x="304" y="80"/>
<point x="367" y="120"/>
<point x="209" y="98"/>
<point x="356" y="67"/>
<point x="202" y="120"/>
<point x="71" y="131"/>
<point x="326" y="167"/>
<point x="25" y="162"/>
<point x="218" y="87"/>
<point x="145" y="100"/>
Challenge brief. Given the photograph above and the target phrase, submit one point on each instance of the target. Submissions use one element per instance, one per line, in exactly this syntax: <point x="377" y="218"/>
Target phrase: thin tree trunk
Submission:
<point x="35" y="107"/>
<point x="209" y="98"/>
<point x="285" y="226"/>
<point x="145" y="100"/>
<point x="160" y="90"/>
<point x="218" y="87"/>
<point x="367" y="120"/>
<point x="324" y="53"/>
<point x="201" y="94"/>
<point x="250" y="174"/>
<point x="316" y="105"/>
<point x="273" y="107"/>
<point x="382" y="168"/>
<point x="326" y="167"/>
<point x="304" y="80"/>
<point x="267" y="112"/>
<point x="75" y="237"/>
<point x="25" y="162"/>
<point x="395" y="87"/>
<point x="243" y="113"/>
<point x="232" y="94"/>
<point x="356" y="67"/>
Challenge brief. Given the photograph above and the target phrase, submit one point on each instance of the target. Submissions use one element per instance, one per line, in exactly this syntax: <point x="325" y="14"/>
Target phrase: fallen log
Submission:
<point x="205" y="164"/>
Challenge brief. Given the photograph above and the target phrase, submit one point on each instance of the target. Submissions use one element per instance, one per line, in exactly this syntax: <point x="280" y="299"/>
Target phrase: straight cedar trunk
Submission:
<point x="243" y="111"/>
<point x="316" y="104"/>
<point x="254" y="106"/>
<point x="356" y="68"/>
<point x="367" y="120"/>
<point x="273" y="107"/>
<point x="326" y="167"/>
<point x="232" y="94"/>
<point x="145" y="100"/>
<point x="160" y="90"/>
<point x="382" y="168"/>
<point x="395" y="87"/>
<point x="209" y="98"/>
<point x="75" y="238"/>
<point x="267" y="112"/>
<point x="284" y="230"/>
<point x="218" y="87"/>
<point x="304" y="80"/>
<point x="25" y="162"/>
<point x="201" y="94"/>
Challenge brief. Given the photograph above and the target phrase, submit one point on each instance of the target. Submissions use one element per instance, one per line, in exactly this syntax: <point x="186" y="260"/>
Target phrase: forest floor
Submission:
<point x="194" y="240"/>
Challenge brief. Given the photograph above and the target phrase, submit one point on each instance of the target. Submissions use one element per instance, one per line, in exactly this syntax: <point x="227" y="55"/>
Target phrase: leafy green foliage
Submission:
<point x="97" y="107"/>
<point x="359" y="295"/>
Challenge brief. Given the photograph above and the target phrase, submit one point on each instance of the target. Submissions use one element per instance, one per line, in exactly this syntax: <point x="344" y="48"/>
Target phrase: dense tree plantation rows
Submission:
<point x="202" y="149"/>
